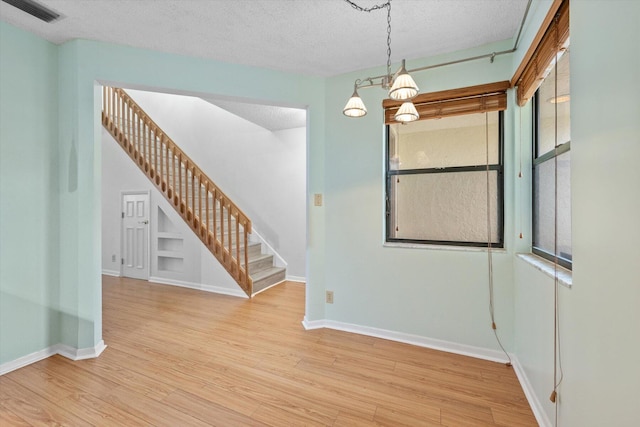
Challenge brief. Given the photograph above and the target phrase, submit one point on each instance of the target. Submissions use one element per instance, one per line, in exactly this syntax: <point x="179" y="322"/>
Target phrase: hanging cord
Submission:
<point x="489" y="233"/>
<point x="558" y="374"/>
<point x="387" y="6"/>
<point x="520" y="176"/>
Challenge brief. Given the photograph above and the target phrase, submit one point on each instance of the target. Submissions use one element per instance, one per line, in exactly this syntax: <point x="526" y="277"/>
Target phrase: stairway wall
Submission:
<point x="264" y="172"/>
<point x="200" y="270"/>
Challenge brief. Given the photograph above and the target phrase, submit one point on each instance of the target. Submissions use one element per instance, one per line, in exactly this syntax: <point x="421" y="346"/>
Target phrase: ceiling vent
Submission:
<point x="34" y="9"/>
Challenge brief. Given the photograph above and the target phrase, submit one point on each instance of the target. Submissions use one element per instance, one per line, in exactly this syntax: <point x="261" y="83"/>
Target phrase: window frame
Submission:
<point x="499" y="168"/>
<point x="536" y="161"/>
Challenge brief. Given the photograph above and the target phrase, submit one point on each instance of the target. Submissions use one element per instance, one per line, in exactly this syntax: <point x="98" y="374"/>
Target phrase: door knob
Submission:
<point x="143" y="222"/>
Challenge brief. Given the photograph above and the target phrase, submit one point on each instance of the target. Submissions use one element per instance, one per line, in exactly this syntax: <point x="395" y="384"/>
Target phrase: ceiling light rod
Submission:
<point x="491" y="55"/>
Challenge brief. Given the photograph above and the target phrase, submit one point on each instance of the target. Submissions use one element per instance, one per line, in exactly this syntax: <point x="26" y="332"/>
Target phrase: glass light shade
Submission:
<point x="406" y="113"/>
<point x="355" y="107"/>
<point x="404" y="87"/>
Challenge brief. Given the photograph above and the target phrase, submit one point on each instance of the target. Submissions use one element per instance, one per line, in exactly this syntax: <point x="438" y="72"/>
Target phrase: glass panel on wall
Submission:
<point x="445" y="206"/>
<point x="552" y="159"/>
<point x="544" y="200"/>
<point x="447" y="142"/>
<point x="437" y="180"/>
<point x="550" y="99"/>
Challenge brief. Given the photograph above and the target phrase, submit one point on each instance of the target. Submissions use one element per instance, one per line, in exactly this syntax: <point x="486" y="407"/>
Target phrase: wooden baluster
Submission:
<point x="222" y="223"/>
<point x="206" y="210"/>
<point x="112" y="94"/>
<point x="229" y="231"/>
<point x="174" y="176"/>
<point x="180" y="195"/>
<point x="137" y="140"/>
<point x="214" y="199"/>
<point x="147" y="133"/>
<point x="104" y="102"/>
<point x="107" y="96"/>
<point x="140" y="145"/>
<point x="246" y="255"/>
<point x="193" y="195"/>
<point x="114" y="97"/>
<point x="118" y="113"/>
<point x="155" y="156"/>
<point x="129" y="122"/>
<point x="121" y="115"/>
<point x="238" y="243"/>
<point x="185" y="193"/>
<point x="149" y="163"/>
<point x="107" y="99"/>
<point x="200" y="203"/>
<point x="162" y="180"/>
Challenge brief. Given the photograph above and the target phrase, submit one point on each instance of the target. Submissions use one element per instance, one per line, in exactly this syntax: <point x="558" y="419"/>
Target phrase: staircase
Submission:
<point x="214" y="218"/>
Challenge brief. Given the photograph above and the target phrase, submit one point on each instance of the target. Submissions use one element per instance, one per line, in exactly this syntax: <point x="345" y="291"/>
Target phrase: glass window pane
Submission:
<point x="547" y="103"/>
<point x="447" y="142"/>
<point x="443" y="206"/>
<point x="544" y="206"/>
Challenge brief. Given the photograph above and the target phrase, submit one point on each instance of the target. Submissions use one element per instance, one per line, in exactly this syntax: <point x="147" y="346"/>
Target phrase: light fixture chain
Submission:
<point x="386" y="5"/>
<point x="369" y="9"/>
<point x="389" y="40"/>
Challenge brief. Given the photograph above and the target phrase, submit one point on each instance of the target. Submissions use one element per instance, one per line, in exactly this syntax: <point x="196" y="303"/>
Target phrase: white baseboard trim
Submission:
<point x="300" y="279"/>
<point x="61" y="349"/>
<point x="81" y="353"/>
<point x="114" y="273"/>
<point x="199" y="286"/>
<point x="534" y="402"/>
<point x="418" y="340"/>
<point x="23" y="361"/>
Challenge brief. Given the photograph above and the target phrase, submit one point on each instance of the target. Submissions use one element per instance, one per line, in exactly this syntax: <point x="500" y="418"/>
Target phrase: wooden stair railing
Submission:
<point x="217" y="221"/>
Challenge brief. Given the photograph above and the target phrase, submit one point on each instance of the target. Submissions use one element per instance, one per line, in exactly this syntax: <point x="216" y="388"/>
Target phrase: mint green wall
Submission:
<point x="433" y="293"/>
<point x="599" y="316"/>
<point x="82" y="65"/>
<point x="28" y="194"/>
<point x="602" y="313"/>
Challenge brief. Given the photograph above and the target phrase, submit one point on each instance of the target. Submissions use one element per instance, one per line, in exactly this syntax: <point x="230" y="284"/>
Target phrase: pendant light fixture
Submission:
<point x="355" y="107"/>
<point x="407" y="113"/>
<point x="403" y="87"/>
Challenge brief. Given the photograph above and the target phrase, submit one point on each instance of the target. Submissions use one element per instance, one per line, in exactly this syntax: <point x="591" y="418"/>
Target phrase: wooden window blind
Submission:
<point x="468" y="100"/>
<point x="552" y="37"/>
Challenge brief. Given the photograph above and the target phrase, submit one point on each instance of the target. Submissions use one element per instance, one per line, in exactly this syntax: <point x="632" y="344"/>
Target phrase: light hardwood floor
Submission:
<point x="179" y="357"/>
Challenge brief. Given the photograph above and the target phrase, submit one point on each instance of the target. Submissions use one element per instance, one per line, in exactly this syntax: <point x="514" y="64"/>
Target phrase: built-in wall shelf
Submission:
<point x="175" y="265"/>
<point x="167" y="235"/>
<point x="169" y="245"/>
<point x="171" y="254"/>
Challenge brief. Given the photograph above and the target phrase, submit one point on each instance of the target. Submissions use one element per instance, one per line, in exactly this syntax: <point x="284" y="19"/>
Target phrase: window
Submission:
<point x="552" y="166"/>
<point x="437" y="180"/>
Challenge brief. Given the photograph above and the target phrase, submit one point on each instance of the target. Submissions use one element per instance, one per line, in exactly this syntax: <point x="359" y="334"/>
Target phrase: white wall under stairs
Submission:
<point x="198" y="268"/>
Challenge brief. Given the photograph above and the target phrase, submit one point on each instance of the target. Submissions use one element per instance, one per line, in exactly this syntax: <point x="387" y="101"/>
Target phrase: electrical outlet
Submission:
<point x="317" y="199"/>
<point x="329" y="297"/>
<point x="113" y="258"/>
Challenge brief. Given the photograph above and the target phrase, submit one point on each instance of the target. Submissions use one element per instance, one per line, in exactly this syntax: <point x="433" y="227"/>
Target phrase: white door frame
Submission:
<point x="122" y="207"/>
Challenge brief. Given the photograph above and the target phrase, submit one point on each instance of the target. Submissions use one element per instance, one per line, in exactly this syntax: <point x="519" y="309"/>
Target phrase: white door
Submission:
<point x="135" y="235"/>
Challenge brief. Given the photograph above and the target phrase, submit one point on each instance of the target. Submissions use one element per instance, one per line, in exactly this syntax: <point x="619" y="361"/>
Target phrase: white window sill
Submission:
<point x="548" y="268"/>
<point x="442" y="247"/>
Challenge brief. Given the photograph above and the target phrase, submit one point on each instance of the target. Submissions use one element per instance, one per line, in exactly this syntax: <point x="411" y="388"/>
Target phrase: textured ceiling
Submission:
<point x="313" y="37"/>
